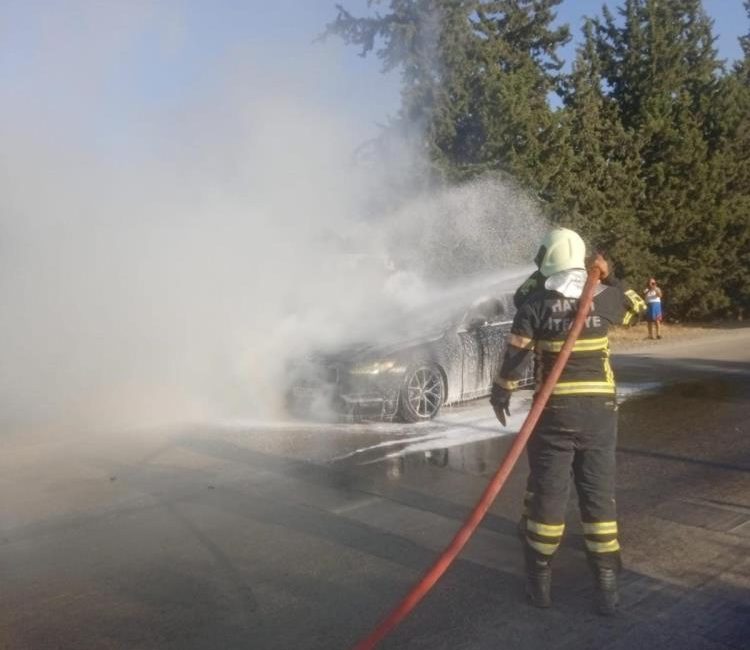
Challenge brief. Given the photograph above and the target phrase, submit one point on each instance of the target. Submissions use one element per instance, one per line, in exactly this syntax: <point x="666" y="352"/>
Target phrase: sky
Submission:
<point x="122" y="67"/>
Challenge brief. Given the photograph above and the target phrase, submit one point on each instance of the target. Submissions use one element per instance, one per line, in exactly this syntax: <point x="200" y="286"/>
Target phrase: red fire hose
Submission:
<point x="447" y="557"/>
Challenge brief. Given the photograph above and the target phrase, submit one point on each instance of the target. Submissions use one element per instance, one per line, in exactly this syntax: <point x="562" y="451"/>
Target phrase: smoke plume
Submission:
<point x="161" y="265"/>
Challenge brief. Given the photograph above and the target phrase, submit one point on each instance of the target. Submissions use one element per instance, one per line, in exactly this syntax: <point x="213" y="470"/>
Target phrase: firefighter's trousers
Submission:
<point x="576" y="436"/>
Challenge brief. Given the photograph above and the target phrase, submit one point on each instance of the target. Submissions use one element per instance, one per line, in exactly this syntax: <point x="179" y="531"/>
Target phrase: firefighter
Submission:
<point x="577" y="430"/>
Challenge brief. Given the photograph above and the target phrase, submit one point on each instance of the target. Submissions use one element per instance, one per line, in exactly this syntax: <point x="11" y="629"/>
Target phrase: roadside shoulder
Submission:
<point x="634" y="340"/>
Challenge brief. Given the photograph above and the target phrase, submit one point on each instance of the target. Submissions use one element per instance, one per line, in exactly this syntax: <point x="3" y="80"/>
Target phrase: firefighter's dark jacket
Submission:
<point x="541" y="325"/>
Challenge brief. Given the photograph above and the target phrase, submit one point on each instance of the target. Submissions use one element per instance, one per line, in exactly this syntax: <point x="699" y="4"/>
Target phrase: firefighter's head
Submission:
<point x="561" y="250"/>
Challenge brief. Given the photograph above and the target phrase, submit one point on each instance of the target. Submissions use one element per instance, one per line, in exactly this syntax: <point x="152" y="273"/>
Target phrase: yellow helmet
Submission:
<point x="561" y="250"/>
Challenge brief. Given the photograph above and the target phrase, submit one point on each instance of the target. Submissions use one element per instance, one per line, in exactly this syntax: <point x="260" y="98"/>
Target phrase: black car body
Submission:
<point x="411" y="377"/>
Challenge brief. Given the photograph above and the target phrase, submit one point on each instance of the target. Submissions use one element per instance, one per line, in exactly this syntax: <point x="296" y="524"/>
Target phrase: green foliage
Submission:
<point x="597" y="187"/>
<point x="663" y="73"/>
<point x="648" y="155"/>
<point x="731" y="146"/>
<point x="475" y="77"/>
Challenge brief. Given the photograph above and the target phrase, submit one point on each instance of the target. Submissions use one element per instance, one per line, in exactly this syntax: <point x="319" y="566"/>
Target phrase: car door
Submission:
<point x="472" y="359"/>
<point x="485" y="325"/>
<point x="492" y="337"/>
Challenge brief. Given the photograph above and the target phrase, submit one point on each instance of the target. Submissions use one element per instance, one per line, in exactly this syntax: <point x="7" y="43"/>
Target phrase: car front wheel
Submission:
<point x="422" y="394"/>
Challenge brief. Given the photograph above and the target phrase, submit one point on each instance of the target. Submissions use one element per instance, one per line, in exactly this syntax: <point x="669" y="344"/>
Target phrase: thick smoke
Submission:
<point x="167" y="274"/>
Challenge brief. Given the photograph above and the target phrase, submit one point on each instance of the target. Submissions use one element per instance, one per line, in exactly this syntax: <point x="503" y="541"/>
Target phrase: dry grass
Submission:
<point x="625" y="337"/>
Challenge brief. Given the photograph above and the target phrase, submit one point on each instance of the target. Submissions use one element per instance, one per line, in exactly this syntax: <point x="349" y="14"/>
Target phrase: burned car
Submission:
<point x="410" y="377"/>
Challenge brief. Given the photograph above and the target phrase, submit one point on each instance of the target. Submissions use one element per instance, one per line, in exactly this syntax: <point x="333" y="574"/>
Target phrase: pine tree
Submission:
<point x="731" y="147"/>
<point x="596" y="185"/>
<point x="662" y="69"/>
<point x="519" y="69"/>
<point x="431" y="43"/>
<point x="475" y="77"/>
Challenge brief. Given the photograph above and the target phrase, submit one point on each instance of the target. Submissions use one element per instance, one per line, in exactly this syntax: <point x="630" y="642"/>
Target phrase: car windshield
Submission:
<point x="451" y="309"/>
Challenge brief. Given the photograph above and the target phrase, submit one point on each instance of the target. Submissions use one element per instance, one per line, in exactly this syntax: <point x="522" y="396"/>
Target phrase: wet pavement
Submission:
<point x="289" y="535"/>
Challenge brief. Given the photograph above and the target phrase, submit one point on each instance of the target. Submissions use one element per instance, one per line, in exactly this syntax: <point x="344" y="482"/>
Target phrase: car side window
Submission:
<point x="485" y="312"/>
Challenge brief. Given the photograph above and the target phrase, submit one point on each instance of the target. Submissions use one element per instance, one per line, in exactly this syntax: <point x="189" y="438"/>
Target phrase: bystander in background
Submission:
<point x="652" y="294"/>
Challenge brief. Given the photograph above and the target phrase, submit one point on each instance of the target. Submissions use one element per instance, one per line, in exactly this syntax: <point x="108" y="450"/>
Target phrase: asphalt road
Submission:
<point x="286" y="535"/>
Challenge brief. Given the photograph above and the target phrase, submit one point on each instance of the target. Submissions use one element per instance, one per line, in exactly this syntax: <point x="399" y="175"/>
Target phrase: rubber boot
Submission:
<point x="606" y="597"/>
<point x="538" y="581"/>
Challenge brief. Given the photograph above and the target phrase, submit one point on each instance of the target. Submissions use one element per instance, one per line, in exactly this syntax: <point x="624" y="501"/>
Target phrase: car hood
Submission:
<point x="363" y="352"/>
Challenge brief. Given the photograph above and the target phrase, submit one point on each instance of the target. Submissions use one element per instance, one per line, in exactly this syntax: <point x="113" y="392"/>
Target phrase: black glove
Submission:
<point x="500" y="400"/>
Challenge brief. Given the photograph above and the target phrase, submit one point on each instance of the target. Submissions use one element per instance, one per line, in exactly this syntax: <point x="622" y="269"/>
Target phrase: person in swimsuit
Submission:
<point x="652" y="293"/>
